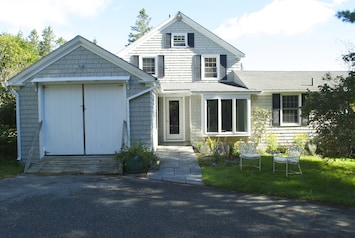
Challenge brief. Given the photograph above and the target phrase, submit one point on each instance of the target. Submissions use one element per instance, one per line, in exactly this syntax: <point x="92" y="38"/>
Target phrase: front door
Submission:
<point x="174" y="108"/>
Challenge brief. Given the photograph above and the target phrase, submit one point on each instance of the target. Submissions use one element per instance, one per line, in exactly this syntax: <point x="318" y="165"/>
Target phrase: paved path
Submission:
<point x="177" y="164"/>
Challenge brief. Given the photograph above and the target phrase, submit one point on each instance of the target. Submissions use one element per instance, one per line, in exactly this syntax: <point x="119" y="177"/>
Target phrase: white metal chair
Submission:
<point x="292" y="158"/>
<point x="248" y="151"/>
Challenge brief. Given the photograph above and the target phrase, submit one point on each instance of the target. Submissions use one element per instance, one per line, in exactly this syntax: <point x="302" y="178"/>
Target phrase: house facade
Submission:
<point x="178" y="84"/>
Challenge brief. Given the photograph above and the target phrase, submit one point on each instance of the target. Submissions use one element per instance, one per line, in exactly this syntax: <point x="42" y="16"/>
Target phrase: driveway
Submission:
<point x="101" y="206"/>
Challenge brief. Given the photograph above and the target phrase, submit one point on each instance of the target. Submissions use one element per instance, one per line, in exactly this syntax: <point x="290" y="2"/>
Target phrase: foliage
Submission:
<point x="271" y="142"/>
<point x="332" y="114"/>
<point x="301" y="140"/>
<point x="260" y="120"/>
<point x="147" y="157"/>
<point x="330" y="182"/>
<point x="141" y="26"/>
<point x="346" y="16"/>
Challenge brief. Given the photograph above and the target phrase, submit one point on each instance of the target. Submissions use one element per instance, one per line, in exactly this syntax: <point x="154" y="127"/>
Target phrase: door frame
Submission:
<point x="181" y="136"/>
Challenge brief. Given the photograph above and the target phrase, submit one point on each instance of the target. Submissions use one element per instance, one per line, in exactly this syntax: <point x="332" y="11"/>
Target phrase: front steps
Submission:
<point x="75" y="165"/>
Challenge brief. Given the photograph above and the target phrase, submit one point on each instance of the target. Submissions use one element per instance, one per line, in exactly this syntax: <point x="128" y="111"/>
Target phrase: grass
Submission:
<point x="9" y="168"/>
<point x="326" y="181"/>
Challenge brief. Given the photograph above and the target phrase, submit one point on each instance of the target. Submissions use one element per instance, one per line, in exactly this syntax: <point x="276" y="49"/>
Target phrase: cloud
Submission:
<point x="38" y="13"/>
<point x="287" y="17"/>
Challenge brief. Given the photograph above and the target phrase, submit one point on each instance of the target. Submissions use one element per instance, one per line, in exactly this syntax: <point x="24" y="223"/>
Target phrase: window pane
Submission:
<point x="242" y="125"/>
<point x="179" y="40"/>
<point x="212" y="115"/>
<point x="226" y="115"/>
<point x="290" y="109"/>
<point x="211" y="67"/>
<point x="174" y="126"/>
<point x="149" y="65"/>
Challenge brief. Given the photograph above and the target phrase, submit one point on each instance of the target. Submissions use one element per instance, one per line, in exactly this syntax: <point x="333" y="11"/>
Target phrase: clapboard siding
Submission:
<point x="285" y="134"/>
<point x="179" y="61"/>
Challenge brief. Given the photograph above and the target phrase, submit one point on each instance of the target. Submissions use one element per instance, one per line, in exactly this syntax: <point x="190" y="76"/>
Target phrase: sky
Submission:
<point x="278" y="35"/>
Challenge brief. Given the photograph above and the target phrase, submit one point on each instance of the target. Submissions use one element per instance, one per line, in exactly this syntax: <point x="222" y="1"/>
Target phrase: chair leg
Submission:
<point x="260" y="164"/>
<point x="273" y="165"/>
<point x="241" y="163"/>
<point x="286" y="168"/>
<point x="299" y="166"/>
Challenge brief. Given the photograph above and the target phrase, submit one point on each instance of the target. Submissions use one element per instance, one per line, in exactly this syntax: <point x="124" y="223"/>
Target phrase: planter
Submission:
<point x="135" y="165"/>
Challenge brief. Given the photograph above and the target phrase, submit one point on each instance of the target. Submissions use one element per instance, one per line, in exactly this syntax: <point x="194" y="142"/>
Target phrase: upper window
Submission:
<point x="226" y="116"/>
<point x="149" y="65"/>
<point x="179" y="40"/>
<point x="210" y="67"/>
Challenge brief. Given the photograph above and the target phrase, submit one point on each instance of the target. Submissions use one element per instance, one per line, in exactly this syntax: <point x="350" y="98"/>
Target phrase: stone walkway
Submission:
<point x="177" y="164"/>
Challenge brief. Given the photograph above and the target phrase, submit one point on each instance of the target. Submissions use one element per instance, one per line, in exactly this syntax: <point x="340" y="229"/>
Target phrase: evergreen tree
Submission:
<point x="141" y="26"/>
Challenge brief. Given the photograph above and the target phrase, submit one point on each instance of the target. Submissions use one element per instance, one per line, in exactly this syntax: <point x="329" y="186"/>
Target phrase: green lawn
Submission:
<point x="9" y="168"/>
<point x="327" y="181"/>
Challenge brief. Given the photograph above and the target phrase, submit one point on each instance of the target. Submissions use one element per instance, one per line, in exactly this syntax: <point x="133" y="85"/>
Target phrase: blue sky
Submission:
<point x="274" y="34"/>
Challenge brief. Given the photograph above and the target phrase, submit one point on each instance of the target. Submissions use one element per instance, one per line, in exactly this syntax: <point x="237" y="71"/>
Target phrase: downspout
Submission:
<point x="18" y="125"/>
<point x="128" y="102"/>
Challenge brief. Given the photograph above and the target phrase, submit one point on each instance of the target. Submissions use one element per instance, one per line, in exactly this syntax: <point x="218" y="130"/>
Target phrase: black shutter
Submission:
<point x="160" y="66"/>
<point x="135" y="60"/>
<point x="304" y="119"/>
<point x="223" y="67"/>
<point x="191" y="40"/>
<point x="197" y="67"/>
<point x="167" y="40"/>
<point x="276" y="100"/>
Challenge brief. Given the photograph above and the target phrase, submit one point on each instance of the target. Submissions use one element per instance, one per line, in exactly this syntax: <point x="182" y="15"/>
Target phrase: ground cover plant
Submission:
<point x="9" y="167"/>
<point x="330" y="181"/>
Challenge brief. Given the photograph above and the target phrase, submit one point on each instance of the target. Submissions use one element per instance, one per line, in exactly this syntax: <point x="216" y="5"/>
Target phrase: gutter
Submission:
<point x="128" y="102"/>
<point x="18" y="125"/>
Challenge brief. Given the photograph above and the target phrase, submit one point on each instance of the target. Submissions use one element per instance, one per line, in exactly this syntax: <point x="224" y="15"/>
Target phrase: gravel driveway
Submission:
<point x="101" y="206"/>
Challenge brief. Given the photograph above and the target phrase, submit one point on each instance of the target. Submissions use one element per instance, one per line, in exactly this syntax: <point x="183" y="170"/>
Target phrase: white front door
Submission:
<point x="174" y="115"/>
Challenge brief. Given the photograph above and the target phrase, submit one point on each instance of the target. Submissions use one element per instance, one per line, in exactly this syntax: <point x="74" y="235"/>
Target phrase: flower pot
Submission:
<point x="134" y="165"/>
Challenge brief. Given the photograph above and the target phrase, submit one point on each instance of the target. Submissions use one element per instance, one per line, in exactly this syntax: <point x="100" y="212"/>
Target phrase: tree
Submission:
<point x="47" y="43"/>
<point x="141" y="26"/>
<point x="332" y="109"/>
<point x="346" y="16"/>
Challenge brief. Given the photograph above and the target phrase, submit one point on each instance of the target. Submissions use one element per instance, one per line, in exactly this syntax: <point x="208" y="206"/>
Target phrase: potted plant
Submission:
<point x="136" y="158"/>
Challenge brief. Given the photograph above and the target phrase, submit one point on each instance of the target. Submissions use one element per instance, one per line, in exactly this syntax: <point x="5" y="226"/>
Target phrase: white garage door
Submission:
<point x="83" y="119"/>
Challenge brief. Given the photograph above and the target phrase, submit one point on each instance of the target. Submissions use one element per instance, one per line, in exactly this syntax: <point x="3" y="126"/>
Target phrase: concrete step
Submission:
<point x="76" y="165"/>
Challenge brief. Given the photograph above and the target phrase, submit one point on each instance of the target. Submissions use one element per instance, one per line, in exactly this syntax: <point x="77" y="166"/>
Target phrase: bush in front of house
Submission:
<point x="136" y="158"/>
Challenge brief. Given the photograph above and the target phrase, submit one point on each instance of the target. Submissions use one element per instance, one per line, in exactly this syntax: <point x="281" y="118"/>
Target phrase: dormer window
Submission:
<point x="179" y="40"/>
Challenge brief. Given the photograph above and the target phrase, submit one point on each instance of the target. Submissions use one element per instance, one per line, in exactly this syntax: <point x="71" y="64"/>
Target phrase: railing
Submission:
<point x="125" y="137"/>
<point x="30" y="154"/>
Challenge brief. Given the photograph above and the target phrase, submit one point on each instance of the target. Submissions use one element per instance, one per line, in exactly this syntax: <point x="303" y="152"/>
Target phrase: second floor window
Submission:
<point x="210" y="67"/>
<point x="148" y="65"/>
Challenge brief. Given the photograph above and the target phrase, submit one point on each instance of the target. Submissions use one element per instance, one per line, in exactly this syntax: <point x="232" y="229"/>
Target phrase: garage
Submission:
<point x="82" y="119"/>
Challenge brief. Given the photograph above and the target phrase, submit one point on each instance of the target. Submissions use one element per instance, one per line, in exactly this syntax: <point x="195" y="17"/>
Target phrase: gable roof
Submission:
<point x="183" y="18"/>
<point x="284" y="81"/>
<point x="69" y="47"/>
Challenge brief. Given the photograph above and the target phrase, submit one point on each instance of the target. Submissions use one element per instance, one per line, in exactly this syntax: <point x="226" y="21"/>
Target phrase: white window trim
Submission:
<point x="203" y="67"/>
<point x="179" y="34"/>
<point x="299" y="109"/>
<point x="234" y="131"/>
<point x="155" y="62"/>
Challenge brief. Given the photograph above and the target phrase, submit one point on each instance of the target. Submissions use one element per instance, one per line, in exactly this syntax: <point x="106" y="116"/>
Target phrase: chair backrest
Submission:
<point x="294" y="151"/>
<point x="247" y="148"/>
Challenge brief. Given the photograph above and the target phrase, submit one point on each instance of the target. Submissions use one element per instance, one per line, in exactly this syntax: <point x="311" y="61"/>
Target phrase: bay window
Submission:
<point x="226" y="115"/>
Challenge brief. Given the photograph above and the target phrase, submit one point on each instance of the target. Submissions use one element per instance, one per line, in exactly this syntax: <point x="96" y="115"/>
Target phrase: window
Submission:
<point x="290" y="109"/>
<point x="210" y="67"/>
<point x="226" y="116"/>
<point x="179" y="40"/>
<point x="286" y="110"/>
<point x="148" y="65"/>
